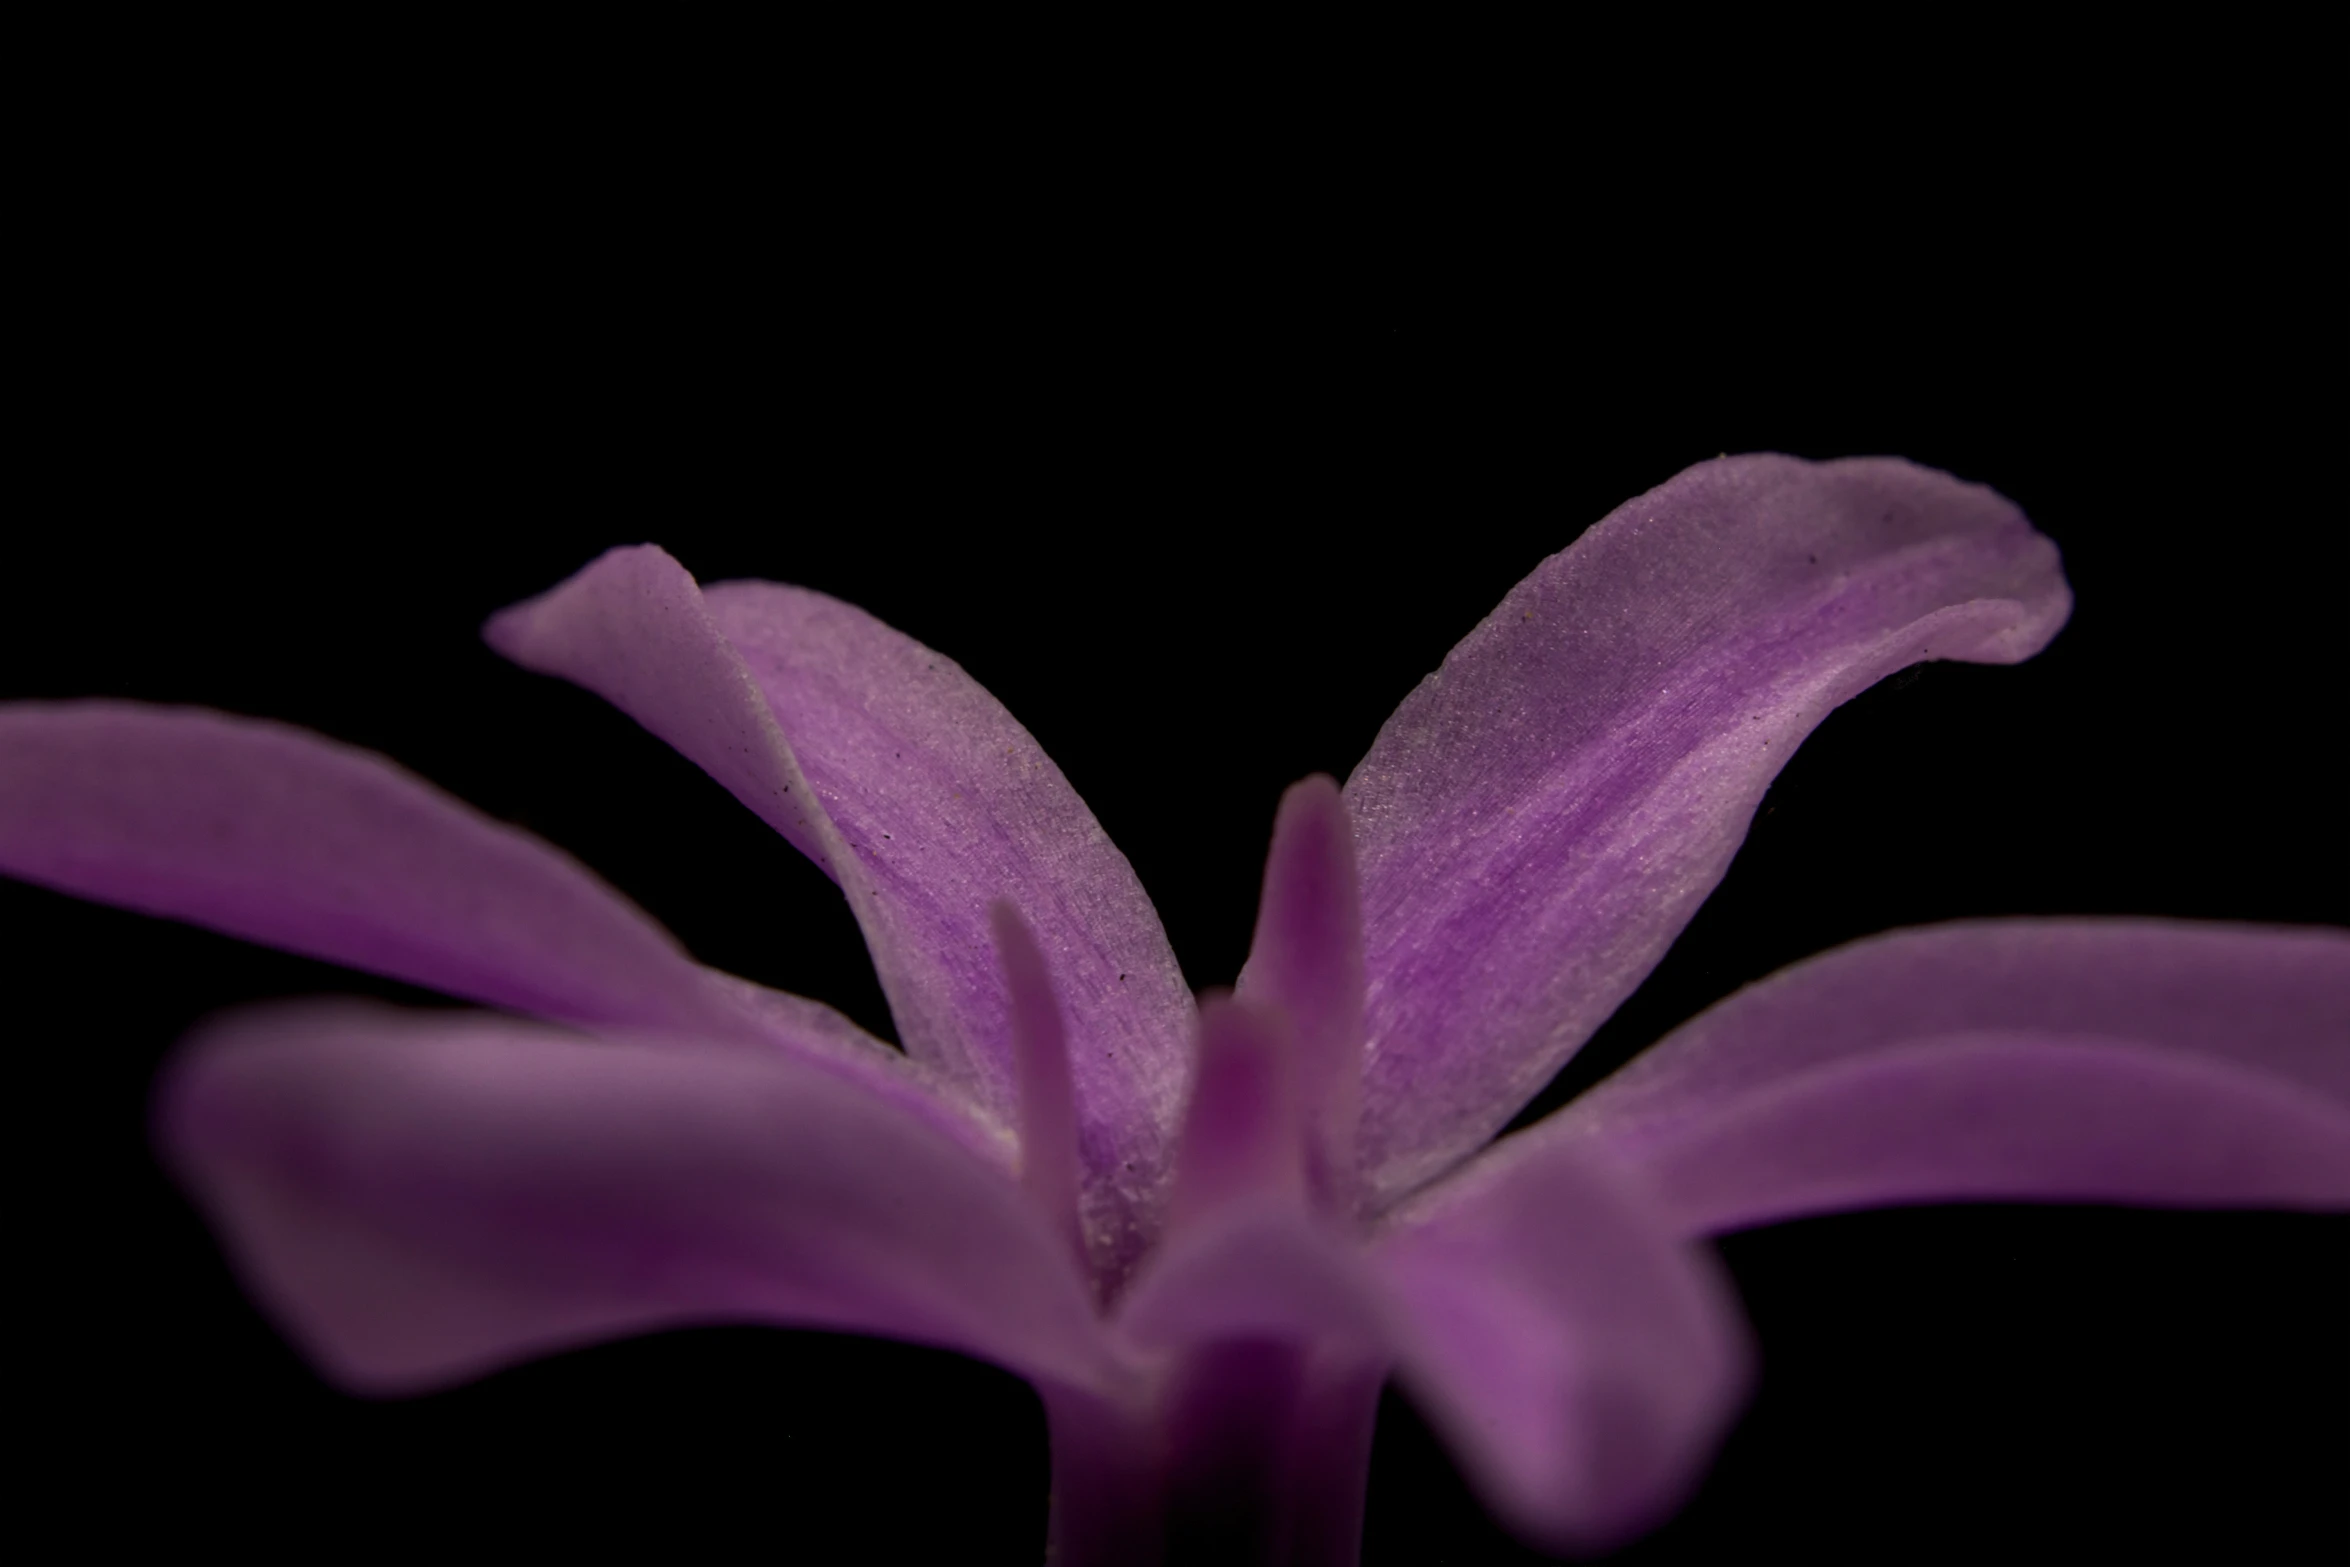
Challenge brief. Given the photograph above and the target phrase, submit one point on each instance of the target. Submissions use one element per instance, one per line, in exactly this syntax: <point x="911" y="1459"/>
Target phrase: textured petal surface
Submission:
<point x="1540" y="818"/>
<point x="2089" y="1060"/>
<point x="934" y="803"/>
<point x="631" y="626"/>
<point x="419" y="1198"/>
<point x="1582" y="1362"/>
<point x="280" y="836"/>
<point x="950" y="804"/>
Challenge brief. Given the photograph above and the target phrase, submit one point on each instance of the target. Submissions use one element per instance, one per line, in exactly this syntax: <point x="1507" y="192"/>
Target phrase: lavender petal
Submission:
<point x="2151" y="1062"/>
<point x="930" y="803"/>
<point x="1540" y="818"/>
<point x="419" y="1198"/>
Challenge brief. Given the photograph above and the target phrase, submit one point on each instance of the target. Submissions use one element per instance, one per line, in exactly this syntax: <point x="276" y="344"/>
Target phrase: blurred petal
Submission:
<point x="2066" y="1061"/>
<point x="817" y="1036"/>
<point x="1307" y="960"/>
<point x="933" y="803"/>
<point x="1243" y="1139"/>
<point x="1040" y="1044"/>
<point x="1541" y="816"/>
<point x="1982" y="1117"/>
<point x="1260" y="1270"/>
<point x="283" y="837"/>
<point x="1581" y="1361"/>
<point x="420" y="1198"/>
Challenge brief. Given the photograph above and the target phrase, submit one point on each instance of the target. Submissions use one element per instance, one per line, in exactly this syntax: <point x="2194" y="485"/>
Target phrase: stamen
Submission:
<point x="1307" y="961"/>
<point x="1241" y="1134"/>
<point x="1040" y="1057"/>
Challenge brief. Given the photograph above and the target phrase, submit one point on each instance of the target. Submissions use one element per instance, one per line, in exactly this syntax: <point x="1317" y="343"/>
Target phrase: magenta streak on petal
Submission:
<point x="1581" y="1361"/>
<point x="1541" y="816"/>
<point x="422" y="1197"/>
<point x="632" y="627"/>
<point x="1307" y="960"/>
<point x="922" y="798"/>
<point x="1040" y="1049"/>
<point x="950" y="804"/>
<point x="280" y="836"/>
<point x="1243" y="1133"/>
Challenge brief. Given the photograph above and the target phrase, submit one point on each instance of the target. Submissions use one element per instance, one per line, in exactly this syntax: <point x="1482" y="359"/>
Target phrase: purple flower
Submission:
<point x="1209" y="1232"/>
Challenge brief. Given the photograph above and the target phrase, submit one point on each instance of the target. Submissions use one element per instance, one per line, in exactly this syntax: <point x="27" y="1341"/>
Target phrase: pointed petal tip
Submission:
<point x="512" y="631"/>
<point x="284" y="837"/>
<point x="1315" y="792"/>
<point x="1540" y="818"/>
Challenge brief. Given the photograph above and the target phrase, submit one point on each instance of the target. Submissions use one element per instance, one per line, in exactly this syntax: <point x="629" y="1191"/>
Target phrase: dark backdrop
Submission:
<point x="1198" y="447"/>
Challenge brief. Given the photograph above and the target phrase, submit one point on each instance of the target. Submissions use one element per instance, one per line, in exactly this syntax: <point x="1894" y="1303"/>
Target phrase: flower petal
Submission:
<point x="1541" y="816"/>
<point x="934" y="803"/>
<point x="279" y="836"/>
<point x="2067" y="1061"/>
<point x="815" y="1035"/>
<point x="420" y="1198"/>
<point x="1582" y="1361"/>
<point x="1984" y="1117"/>
<point x="1257" y="1270"/>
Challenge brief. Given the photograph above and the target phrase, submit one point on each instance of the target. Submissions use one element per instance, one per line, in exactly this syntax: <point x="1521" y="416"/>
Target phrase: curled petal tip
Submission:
<point x="1543" y="815"/>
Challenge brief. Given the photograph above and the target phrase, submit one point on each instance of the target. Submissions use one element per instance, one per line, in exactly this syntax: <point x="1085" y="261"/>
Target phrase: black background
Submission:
<point x="1196" y="424"/>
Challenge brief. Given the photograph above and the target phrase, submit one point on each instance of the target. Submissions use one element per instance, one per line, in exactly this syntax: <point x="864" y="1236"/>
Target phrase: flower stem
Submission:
<point x="1248" y="1452"/>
